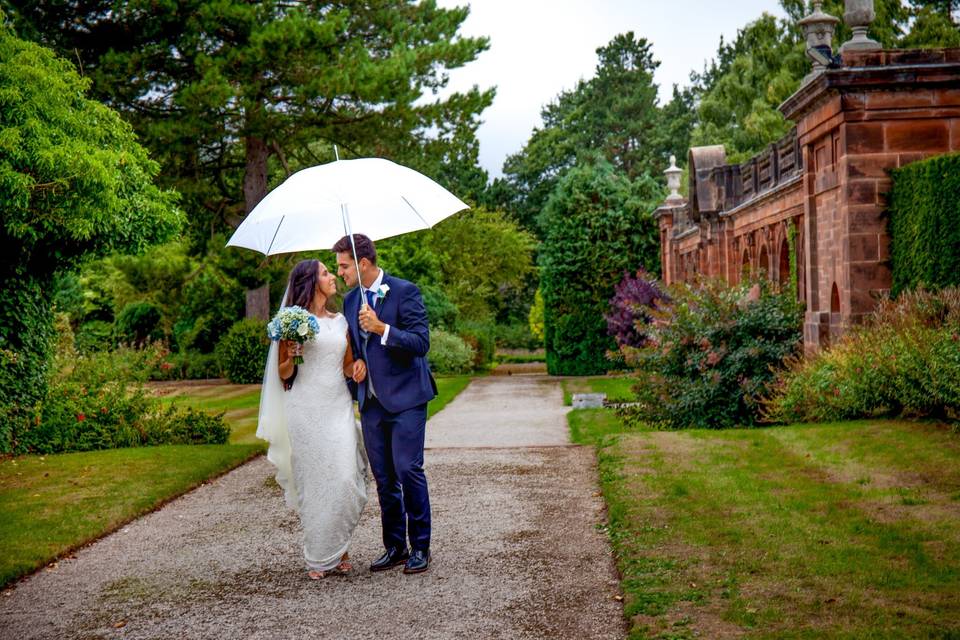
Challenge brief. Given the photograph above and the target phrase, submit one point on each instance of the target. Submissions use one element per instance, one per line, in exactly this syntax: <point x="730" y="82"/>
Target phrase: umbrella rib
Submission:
<point x="414" y="209"/>
<point x="275" y="232"/>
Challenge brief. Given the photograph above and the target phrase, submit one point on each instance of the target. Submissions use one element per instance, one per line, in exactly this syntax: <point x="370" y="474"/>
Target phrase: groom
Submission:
<point x="390" y="339"/>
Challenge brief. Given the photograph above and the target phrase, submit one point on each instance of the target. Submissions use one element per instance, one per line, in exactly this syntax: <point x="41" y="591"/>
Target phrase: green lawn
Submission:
<point x="617" y="388"/>
<point x="52" y="504"/>
<point x="847" y="530"/>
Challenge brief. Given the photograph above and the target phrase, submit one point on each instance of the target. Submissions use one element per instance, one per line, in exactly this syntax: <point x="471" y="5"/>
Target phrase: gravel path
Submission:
<point x="516" y="551"/>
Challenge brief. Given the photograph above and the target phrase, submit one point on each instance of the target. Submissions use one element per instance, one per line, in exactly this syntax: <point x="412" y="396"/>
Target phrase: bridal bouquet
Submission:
<point x="293" y="323"/>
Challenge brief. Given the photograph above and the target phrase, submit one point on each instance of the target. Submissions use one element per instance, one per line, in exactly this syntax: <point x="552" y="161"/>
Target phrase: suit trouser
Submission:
<point x="394" y="444"/>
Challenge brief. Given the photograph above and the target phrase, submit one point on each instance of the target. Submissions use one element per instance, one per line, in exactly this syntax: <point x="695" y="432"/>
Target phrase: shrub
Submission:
<point x="597" y="224"/>
<point x="535" y="318"/>
<point x="449" y="353"/>
<point x="516" y="336"/>
<point x="633" y="301"/>
<point x="904" y="361"/>
<point x="925" y="224"/>
<point x="97" y="401"/>
<point x="242" y="352"/>
<point x="481" y="336"/>
<point x="189" y="365"/>
<point x="441" y="313"/>
<point x="138" y="323"/>
<point x="188" y="426"/>
<point x="94" y="335"/>
<point x="710" y="353"/>
<point x="212" y="303"/>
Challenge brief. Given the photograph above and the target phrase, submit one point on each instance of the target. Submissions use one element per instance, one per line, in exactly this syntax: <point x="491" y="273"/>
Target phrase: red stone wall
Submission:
<point x="879" y="111"/>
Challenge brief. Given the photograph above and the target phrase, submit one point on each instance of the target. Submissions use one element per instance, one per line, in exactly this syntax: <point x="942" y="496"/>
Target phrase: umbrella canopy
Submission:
<point x="315" y="207"/>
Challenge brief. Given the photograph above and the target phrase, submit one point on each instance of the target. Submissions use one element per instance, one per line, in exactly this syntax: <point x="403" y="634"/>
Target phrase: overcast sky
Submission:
<point x="538" y="48"/>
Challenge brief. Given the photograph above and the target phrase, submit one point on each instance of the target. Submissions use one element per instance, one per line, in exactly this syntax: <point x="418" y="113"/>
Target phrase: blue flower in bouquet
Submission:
<point x="293" y="323"/>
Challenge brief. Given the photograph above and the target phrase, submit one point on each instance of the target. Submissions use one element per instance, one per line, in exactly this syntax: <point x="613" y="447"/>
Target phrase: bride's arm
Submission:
<point x="351" y="366"/>
<point x="286" y="360"/>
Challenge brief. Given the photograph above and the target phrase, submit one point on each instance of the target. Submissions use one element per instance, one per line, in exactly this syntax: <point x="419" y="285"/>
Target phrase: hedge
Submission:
<point x="924" y="224"/>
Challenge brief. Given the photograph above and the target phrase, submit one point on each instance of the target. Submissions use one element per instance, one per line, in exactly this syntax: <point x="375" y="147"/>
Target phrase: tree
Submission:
<point x="614" y="114"/>
<point x="232" y="95"/>
<point x="598" y="224"/>
<point x="74" y="183"/>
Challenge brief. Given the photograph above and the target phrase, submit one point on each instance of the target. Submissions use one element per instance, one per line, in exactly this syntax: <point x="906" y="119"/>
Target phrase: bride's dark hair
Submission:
<point x="302" y="290"/>
<point x="303" y="284"/>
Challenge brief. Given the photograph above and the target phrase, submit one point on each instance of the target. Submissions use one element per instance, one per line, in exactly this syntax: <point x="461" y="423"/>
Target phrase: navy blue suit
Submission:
<point x="394" y="419"/>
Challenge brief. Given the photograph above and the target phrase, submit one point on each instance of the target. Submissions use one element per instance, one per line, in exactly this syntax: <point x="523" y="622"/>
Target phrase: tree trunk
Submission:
<point x="254" y="190"/>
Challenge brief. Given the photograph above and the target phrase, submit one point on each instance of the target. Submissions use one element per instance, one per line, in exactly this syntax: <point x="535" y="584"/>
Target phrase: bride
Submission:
<point x="306" y="414"/>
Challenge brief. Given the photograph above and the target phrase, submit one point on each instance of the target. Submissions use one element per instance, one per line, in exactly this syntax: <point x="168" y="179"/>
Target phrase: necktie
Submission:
<point x="370" y="295"/>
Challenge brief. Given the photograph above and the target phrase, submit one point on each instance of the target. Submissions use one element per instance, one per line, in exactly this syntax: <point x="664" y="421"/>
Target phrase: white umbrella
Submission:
<point x="315" y="207"/>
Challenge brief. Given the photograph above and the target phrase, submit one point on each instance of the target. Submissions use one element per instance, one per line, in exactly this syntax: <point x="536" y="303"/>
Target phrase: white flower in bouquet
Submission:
<point x="293" y="323"/>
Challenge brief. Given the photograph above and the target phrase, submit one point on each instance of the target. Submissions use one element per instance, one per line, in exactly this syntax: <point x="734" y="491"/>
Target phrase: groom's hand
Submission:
<point x="370" y="322"/>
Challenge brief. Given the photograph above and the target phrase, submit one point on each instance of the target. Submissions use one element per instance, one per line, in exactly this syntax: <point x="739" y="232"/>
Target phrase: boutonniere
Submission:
<point x="382" y="291"/>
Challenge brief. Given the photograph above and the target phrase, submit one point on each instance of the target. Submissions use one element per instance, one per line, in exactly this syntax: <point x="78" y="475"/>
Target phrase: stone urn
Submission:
<point x="859" y="15"/>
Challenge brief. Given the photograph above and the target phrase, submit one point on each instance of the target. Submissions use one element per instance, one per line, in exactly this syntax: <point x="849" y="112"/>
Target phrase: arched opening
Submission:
<point x="763" y="264"/>
<point x="783" y="271"/>
<point x="835" y="299"/>
<point x="745" y="266"/>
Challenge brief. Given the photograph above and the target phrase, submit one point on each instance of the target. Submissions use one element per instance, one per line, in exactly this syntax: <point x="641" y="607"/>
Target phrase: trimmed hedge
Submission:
<point x="925" y="224"/>
<point x="597" y="225"/>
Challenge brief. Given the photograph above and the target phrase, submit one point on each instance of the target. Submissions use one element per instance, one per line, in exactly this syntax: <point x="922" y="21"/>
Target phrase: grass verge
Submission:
<point x="846" y="530"/>
<point x="53" y="504"/>
<point x="617" y="388"/>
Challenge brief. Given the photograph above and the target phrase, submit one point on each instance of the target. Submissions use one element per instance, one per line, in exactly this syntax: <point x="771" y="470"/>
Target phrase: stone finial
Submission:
<point x="818" y="28"/>
<point x="859" y="14"/>
<point x="673" y="174"/>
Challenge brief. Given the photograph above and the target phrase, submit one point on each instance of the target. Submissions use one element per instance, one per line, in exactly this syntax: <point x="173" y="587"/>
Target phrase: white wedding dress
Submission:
<point x="316" y="444"/>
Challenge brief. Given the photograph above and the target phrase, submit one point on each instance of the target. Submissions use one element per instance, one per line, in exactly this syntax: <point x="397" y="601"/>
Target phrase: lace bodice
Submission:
<point x="322" y="370"/>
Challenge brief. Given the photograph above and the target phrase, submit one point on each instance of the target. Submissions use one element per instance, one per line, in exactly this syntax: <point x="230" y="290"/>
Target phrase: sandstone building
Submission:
<point x="823" y="185"/>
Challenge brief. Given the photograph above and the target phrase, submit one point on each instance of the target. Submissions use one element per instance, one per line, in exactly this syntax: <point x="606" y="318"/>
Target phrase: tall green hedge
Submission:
<point x="597" y="226"/>
<point x="925" y="224"/>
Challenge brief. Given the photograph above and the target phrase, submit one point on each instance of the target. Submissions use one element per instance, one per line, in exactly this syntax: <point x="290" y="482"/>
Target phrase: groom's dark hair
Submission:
<point x="365" y="248"/>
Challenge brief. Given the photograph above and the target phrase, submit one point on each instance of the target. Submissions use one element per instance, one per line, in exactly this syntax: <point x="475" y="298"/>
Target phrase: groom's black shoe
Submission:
<point x="418" y="562"/>
<point x="390" y="559"/>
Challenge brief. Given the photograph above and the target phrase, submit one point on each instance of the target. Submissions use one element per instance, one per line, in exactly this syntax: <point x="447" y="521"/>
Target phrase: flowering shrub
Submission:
<point x="905" y="360"/>
<point x="709" y="353"/>
<point x="633" y="301"/>
<point x="97" y="401"/>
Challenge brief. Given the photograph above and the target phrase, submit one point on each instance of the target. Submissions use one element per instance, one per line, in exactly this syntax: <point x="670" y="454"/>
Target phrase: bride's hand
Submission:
<point x="296" y="348"/>
<point x="359" y="371"/>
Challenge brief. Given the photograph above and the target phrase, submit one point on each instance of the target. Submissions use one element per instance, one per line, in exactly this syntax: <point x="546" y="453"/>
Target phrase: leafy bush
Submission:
<point x="242" y="352"/>
<point x="904" y="361"/>
<point x="598" y="224"/>
<point x="94" y="335"/>
<point x="449" y="353"/>
<point x="481" y="336"/>
<point x="516" y="336"/>
<point x="441" y="313"/>
<point x="138" y="323"/>
<point x="212" y="303"/>
<point x="633" y="301"/>
<point x="925" y="224"/>
<point x="535" y="318"/>
<point x="188" y="365"/>
<point x="188" y="426"/>
<point x="97" y="401"/>
<point x="710" y="353"/>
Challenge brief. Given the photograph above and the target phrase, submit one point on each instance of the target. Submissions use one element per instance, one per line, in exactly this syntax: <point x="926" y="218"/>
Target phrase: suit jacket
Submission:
<point x="400" y="372"/>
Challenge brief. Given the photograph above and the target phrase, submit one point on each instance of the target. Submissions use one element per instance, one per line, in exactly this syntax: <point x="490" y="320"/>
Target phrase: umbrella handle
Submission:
<point x="349" y="231"/>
